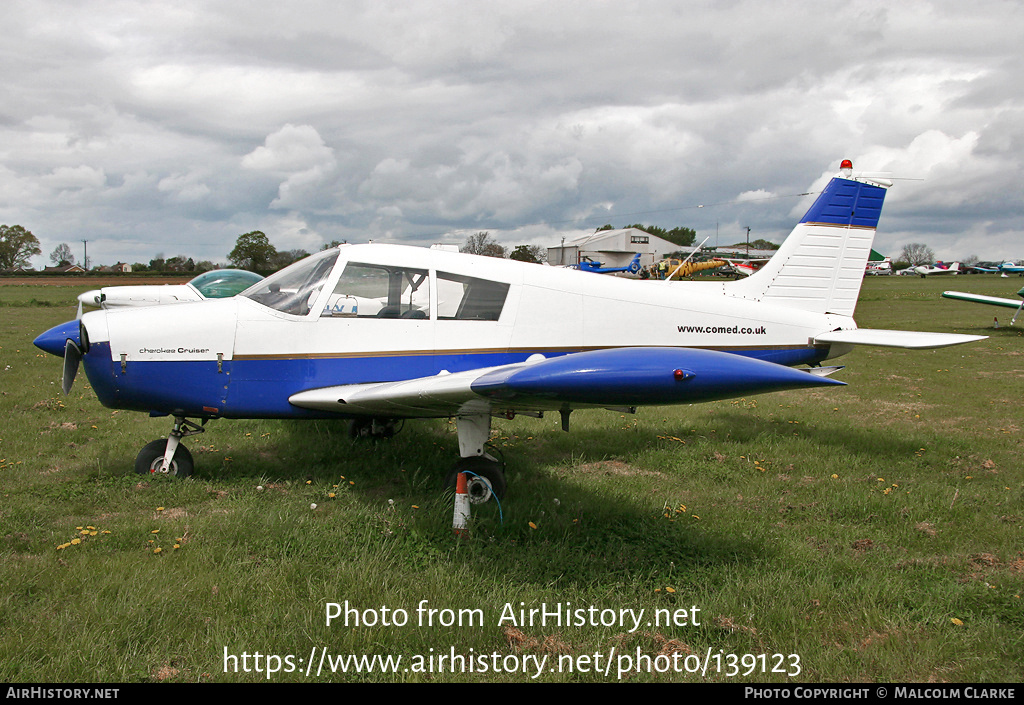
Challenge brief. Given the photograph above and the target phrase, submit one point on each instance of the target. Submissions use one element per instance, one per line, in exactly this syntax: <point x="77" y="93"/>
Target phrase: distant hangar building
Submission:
<point x="613" y="248"/>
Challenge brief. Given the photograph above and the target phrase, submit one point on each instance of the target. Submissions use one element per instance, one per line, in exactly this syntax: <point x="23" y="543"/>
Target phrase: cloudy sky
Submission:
<point x="172" y="127"/>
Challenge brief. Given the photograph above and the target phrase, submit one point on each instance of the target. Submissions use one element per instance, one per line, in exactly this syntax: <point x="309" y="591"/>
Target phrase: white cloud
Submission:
<point x="298" y="153"/>
<point x="67" y="178"/>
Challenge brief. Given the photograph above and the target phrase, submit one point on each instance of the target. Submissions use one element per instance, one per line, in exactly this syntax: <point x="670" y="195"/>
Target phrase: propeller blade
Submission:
<point x="72" y="356"/>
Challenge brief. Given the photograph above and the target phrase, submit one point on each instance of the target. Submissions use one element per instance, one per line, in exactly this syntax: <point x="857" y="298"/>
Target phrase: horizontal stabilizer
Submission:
<point x="911" y="339"/>
<point x="825" y="371"/>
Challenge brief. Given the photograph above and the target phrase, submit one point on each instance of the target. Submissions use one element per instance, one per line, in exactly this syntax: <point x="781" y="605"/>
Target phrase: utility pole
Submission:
<point x="85" y="260"/>
<point x="748" y="243"/>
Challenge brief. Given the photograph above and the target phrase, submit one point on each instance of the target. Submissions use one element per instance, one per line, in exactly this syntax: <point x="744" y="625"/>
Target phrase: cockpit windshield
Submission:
<point x="295" y="288"/>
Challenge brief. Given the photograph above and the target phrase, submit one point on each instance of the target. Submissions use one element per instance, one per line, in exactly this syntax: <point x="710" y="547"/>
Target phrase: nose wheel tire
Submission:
<point x="150" y="460"/>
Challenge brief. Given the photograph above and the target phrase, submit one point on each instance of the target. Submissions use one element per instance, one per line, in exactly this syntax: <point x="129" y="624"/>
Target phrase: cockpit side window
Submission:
<point x="463" y="298"/>
<point x="380" y="291"/>
<point x="294" y="289"/>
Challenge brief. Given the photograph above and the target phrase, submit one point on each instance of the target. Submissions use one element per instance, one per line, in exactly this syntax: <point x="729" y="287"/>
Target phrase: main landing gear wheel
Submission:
<point x="150" y="460"/>
<point x="486" y="478"/>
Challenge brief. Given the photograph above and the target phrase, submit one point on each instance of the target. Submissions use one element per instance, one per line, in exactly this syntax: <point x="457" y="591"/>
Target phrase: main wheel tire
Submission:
<point x="482" y="470"/>
<point x="150" y="460"/>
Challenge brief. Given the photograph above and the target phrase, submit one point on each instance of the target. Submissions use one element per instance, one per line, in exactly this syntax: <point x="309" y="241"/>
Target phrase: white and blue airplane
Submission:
<point x="382" y="333"/>
<point x="588" y="265"/>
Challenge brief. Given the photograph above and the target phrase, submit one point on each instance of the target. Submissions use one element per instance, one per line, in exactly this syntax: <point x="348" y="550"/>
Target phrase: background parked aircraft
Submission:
<point x="990" y="300"/>
<point x="215" y="284"/>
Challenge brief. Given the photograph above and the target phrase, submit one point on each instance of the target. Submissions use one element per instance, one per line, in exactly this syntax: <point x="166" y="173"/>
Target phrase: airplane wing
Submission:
<point x="612" y="377"/>
<point x="979" y="299"/>
<point x="896" y="338"/>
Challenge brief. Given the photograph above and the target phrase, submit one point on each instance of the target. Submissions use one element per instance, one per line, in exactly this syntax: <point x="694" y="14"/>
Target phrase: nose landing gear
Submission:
<point x="166" y="456"/>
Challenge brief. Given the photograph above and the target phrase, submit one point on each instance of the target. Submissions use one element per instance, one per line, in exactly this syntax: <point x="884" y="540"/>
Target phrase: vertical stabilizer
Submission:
<point x="821" y="264"/>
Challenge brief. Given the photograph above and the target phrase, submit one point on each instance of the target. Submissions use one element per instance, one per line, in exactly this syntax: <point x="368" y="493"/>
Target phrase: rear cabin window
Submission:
<point x="462" y="298"/>
<point x="378" y="291"/>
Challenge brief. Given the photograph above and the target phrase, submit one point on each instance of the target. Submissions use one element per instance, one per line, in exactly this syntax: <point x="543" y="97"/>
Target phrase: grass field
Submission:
<point x="866" y="533"/>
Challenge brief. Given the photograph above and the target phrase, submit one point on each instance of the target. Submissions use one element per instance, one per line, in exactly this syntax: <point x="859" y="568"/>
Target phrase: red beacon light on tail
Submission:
<point x="846" y="168"/>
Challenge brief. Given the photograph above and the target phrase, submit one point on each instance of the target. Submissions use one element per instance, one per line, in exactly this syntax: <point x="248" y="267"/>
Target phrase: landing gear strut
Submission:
<point x="166" y="456"/>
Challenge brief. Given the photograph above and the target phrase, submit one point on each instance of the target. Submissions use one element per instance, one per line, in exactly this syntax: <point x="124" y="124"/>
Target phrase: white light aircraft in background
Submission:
<point x="380" y="333"/>
<point x="940" y="268"/>
<point x="742" y="267"/>
<point x="215" y="284"/>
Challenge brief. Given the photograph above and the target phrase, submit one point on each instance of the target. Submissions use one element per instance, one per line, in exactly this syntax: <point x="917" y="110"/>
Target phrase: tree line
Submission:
<point x="252" y="251"/>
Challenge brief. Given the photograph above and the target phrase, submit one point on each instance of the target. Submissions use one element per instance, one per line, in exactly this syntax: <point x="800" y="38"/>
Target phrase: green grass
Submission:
<point x="850" y="526"/>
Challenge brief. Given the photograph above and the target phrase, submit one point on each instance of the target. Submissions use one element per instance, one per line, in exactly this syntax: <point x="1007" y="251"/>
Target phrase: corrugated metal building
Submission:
<point x="613" y="248"/>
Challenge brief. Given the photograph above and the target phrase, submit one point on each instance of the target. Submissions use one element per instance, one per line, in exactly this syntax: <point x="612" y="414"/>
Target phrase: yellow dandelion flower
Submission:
<point x="657" y="589"/>
<point x="157" y="549"/>
<point x="79" y="528"/>
<point x="177" y="545"/>
<point x="532" y="525"/>
<point x="309" y="482"/>
<point x="90" y="527"/>
<point x="75" y="542"/>
<point x="957" y="622"/>
<point x="668" y="589"/>
<point x="835" y="477"/>
<point x="331" y="495"/>
<point x="155" y="531"/>
<point x="93" y="533"/>
<point x="415" y="506"/>
<point x="351" y="482"/>
<point x="159" y="509"/>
